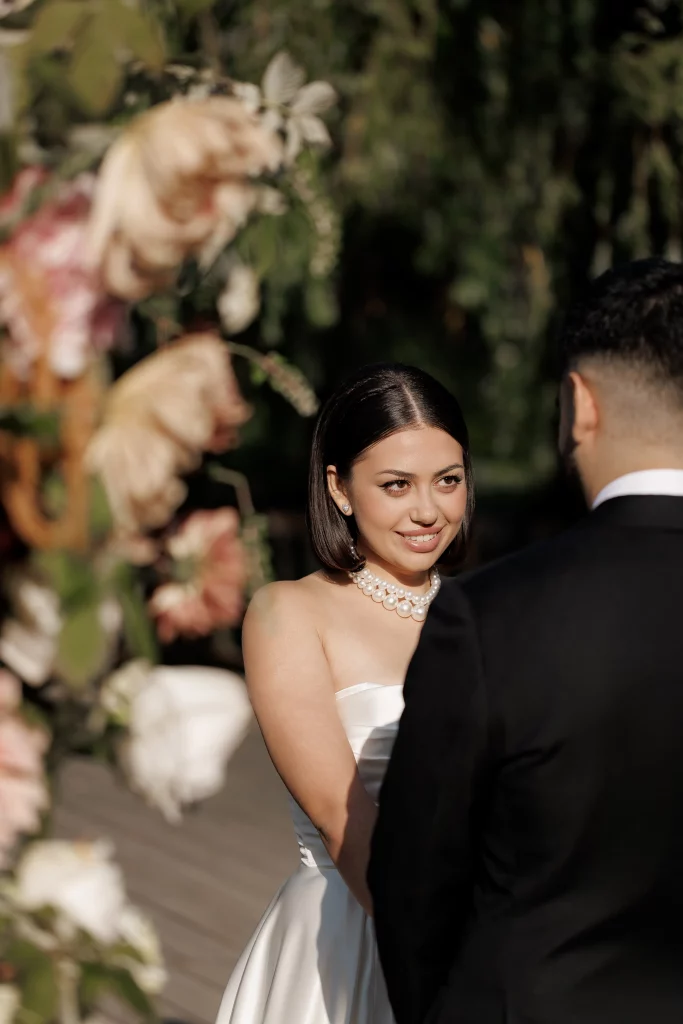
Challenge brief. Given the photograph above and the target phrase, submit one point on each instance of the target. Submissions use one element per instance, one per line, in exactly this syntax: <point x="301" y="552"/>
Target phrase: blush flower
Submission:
<point x="178" y="182"/>
<point x="160" y="416"/>
<point x="23" y="792"/>
<point x="211" y="566"/>
<point x="49" y="300"/>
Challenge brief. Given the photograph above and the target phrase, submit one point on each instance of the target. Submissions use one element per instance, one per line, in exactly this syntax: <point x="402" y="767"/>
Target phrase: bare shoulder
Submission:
<point x="283" y="599"/>
<point x="283" y="652"/>
<point x="285" y="605"/>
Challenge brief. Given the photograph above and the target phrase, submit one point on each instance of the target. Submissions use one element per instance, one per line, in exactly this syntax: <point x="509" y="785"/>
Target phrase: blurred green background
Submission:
<point x="490" y="157"/>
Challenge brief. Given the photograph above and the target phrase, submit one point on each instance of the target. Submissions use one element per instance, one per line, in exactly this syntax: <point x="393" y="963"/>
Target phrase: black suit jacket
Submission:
<point x="527" y="866"/>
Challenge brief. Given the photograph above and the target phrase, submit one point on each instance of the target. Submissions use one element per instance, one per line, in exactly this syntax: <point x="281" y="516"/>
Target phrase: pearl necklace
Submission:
<point x="396" y="599"/>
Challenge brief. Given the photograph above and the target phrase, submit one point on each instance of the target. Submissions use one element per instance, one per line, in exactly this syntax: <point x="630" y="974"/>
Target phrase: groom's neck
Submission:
<point x="616" y="463"/>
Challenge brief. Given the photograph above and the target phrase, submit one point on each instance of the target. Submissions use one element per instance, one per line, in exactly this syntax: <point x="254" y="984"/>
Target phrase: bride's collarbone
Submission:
<point x="359" y="650"/>
<point x="362" y="641"/>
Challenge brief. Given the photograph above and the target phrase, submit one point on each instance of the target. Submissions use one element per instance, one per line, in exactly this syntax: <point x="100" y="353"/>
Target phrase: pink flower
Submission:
<point x="10" y="692"/>
<point x="48" y="297"/>
<point x="211" y="563"/>
<point x="23" y="793"/>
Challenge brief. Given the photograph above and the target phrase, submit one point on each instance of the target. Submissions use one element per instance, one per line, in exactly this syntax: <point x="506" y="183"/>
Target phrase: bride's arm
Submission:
<point x="292" y="694"/>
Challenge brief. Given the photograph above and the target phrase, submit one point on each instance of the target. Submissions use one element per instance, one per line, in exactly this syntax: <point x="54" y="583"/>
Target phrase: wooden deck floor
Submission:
<point x="206" y="882"/>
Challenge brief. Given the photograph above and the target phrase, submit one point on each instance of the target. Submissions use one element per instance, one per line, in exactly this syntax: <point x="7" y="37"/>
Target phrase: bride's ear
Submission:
<point x="336" y="488"/>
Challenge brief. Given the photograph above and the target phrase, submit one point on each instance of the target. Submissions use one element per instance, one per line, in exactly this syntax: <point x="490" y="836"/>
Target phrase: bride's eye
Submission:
<point x="450" y="482"/>
<point x="396" y="486"/>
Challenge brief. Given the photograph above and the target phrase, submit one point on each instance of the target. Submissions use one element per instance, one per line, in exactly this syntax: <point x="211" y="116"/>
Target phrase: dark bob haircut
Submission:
<point x="374" y="403"/>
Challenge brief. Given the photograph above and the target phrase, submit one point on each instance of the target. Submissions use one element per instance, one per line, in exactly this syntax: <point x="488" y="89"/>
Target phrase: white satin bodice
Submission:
<point x="370" y="714"/>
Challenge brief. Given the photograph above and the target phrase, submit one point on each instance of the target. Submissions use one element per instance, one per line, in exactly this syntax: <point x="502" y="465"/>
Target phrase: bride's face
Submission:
<point x="408" y="494"/>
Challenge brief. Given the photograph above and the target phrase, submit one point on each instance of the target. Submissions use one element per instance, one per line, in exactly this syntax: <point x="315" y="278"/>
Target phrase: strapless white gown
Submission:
<point x="313" y="958"/>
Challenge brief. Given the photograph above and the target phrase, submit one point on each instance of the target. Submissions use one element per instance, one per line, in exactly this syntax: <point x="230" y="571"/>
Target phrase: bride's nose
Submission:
<point x="425" y="512"/>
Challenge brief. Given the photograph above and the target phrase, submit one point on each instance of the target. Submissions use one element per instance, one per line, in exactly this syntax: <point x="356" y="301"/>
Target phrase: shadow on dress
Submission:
<point x="348" y="962"/>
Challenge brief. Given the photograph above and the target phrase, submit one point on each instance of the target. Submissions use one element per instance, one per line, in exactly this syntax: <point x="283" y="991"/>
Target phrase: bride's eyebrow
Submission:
<point x="411" y="476"/>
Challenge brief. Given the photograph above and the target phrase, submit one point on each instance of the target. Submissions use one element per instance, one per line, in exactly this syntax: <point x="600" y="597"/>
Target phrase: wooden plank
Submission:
<point x="201" y="956"/>
<point x="191" y="1000"/>
<point x="243" y="867"/>
<point x="153" y="876"/>
<point x="251" y="808"/>
<point x="252" y="792"/>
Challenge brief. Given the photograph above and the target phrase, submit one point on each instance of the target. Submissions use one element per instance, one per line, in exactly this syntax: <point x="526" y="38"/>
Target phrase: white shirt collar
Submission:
<point x="647" y="481"/>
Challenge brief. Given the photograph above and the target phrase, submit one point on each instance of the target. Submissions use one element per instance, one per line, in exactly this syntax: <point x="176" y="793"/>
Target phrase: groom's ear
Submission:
<point x="565" y="441"/>
<point x="586" y="413"/>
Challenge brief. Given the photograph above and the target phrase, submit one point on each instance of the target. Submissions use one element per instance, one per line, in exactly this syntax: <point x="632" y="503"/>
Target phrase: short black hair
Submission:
<point x="632" y="313"/>
<point x="372" y="404"/>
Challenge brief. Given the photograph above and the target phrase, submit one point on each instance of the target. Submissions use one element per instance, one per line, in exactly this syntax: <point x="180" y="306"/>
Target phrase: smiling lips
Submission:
<point x="422" y="540"/>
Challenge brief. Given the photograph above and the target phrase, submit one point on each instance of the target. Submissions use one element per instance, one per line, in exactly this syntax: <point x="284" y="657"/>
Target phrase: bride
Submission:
<point x="390" y="496"/>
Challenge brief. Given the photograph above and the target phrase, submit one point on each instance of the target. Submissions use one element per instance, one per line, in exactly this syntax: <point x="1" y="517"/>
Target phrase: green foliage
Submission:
<point x="57" y="26"/>
<point x="94" y="72"/>
<point x="491" y="158"/>
<point x="27" y="421"/>
<point x="37" y="979"/>
<point x="320" y="303"/>
<point x="82" y="647"/>
<point x="189" y="9"/>
<point x="81" y="49"/>
<point x="286" y="250"/>
<point x="286" y="379"/>
<point x="70" y="576"/>
<point x="98" y="980"/>
<point x="137" y="628"/>
<point x="101" y="522"/>
<point x="124" y="986"/>
<point x="82" y="644"/>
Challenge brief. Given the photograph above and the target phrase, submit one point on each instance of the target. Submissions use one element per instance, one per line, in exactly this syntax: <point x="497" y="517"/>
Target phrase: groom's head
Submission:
<point x="622" y="387"/>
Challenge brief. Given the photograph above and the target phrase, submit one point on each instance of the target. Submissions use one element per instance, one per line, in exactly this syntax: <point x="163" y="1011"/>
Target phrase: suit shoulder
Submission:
<point x="524" y="571"/>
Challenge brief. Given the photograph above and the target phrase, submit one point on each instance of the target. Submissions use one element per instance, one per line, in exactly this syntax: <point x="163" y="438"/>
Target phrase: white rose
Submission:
<point x="240" y="300"/>
<point x="35" y="602"/>
<point x="28" y="642"/>
<point x="122" y="687"/>
<point x="184" y="725"/>
<point x="9" y="1003"/>
<point x="80" y="881"/>
<point x="138" y="932"/>
<point x="27" y="652"/>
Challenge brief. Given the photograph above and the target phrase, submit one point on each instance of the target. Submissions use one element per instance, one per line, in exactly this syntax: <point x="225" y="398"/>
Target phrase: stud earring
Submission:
<point x="346" y="509"/>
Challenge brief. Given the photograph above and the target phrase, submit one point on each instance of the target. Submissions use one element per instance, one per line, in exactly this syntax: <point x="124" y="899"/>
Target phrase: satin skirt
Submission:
<point x="312" y="960"/>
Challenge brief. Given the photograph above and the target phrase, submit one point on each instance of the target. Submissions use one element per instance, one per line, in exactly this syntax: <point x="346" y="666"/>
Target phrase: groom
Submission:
<point x="527" y="866"/>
